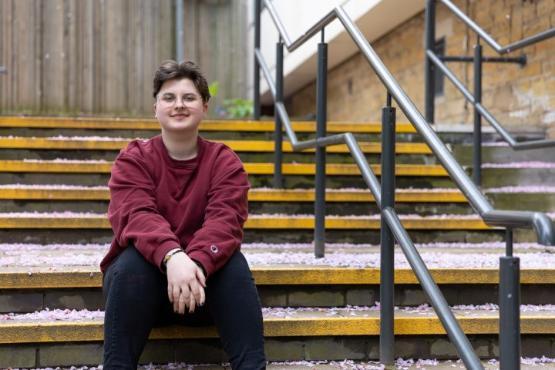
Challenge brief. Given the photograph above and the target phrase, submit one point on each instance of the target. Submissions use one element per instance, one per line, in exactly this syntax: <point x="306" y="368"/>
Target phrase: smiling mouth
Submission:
<point x="179" y="116"/>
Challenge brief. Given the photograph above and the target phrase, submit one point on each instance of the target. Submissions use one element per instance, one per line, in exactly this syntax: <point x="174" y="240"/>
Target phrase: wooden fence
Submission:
<point x="98" y="56"/>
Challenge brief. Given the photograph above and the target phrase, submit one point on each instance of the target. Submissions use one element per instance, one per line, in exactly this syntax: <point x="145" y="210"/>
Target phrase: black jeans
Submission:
<point x="136" y="300"/>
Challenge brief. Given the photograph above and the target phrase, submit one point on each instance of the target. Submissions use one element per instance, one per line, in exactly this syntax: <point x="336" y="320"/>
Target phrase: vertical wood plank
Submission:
<point x="53" y="75"/>
<point x="98" y="57"/>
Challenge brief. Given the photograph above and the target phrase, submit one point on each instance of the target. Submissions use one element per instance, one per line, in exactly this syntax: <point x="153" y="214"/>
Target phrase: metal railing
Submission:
<point x="432" y="60"/>
<point x="384" y="193"/>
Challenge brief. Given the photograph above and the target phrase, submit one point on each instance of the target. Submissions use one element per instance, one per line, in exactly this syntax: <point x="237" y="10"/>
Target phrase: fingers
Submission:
<point x="173" y="293"/>
<point x="202" y="297"/>
<point x="192" y="303"/>
<point x="185" y="302"/>
<point x="198" y="292"/>
<point x="200" y="277"/>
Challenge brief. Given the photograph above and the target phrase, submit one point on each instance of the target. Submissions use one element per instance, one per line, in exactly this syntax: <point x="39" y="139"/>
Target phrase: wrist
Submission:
<point x="169" y="256"/>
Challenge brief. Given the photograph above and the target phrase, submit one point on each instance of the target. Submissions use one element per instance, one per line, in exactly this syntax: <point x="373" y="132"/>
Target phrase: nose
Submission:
<point x="179" y="103"/>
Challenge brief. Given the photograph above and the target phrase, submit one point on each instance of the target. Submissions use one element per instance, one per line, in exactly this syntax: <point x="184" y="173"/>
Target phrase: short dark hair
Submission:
<point x="171" y="70"/>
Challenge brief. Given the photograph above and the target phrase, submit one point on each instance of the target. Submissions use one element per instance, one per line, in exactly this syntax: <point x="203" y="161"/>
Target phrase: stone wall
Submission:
<point x="520" y="97"/>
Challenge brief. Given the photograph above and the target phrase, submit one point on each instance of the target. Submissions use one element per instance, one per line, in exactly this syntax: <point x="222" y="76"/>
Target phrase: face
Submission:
<point x="179" y="107"/>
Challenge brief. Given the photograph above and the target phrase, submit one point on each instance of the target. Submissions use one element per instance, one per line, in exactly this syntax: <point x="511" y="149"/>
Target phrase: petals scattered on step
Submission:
<point x="522" y="189"/>
<point x="535" y="165"/>
<point x="52" y="187"/>
<point x="65" y="160"/>
<point x="291" y="312"/>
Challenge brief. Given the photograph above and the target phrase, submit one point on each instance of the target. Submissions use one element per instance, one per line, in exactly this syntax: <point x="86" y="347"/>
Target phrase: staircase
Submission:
<point x="53" y="230"/>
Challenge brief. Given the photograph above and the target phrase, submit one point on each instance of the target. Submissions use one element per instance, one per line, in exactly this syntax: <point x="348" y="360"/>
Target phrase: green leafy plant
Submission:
<point x="238" y="108"/>
<point x="213" y="88"/>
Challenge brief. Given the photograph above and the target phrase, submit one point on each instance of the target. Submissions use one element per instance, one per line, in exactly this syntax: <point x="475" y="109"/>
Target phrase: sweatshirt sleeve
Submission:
<point x="226" y="212"/>
<point x="133" y="212"/>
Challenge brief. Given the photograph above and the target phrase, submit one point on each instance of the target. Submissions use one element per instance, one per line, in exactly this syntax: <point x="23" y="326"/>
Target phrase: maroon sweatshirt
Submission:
<point x="158" y="203"/>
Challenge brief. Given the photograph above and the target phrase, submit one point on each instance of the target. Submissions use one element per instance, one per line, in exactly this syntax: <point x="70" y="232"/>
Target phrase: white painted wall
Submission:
<point x="373" y="17"/>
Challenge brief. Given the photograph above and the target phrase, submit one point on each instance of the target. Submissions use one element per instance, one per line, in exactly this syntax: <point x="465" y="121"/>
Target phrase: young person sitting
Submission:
<point x="177" y="209"/>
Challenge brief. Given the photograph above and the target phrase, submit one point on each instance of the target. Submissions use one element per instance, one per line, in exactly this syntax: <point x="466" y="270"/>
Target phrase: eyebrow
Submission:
<point x="185" y="94"/>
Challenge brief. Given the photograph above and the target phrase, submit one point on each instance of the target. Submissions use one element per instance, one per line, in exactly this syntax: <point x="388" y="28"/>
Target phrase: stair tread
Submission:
<point x="400" y="363"/>
<point x="53" y="326"/>
<point x="445" y="195"/>
<point x="103" y="166"/>
<point x="51" y="266"/>
<point x="206" y="125"/>
<point x="110" y="143"/>
<point x="87" y="220"/>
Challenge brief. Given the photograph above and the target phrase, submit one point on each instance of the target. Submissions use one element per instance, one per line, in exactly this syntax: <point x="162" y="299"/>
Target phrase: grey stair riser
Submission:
<point x="492" y="177"/>
<point x="50" y="236"/>
<point x="495" y="154"/>
<point x="145" y="134"/>
<point x="256" y="181"/>
<point x="332" y="208"/>
<point x="277" y="349"/>
<point x="84" y="179"/>
<point x="215" y="135"/>
<point x="252" y="157"/>
<point x="31" y="300"/>
<point x="462" y="153"/>
<point x="488" y="136"/>
<point x="541" y="202"/>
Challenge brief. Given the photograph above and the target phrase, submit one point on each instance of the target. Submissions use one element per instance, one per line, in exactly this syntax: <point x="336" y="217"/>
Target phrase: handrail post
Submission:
<point x="256" y="77"/>
<point x="509" y="307"/>
<point x="387" y="337"/>
<point x="320" y="181"/>
<point x="477" y="152"/>
<point x="428" y="65"/>
<point x="278" y="132"/>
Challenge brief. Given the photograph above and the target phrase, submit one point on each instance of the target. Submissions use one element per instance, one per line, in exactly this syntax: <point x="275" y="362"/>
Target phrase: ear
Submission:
<point x="154" y="108"/>
<point x="205" y="108"/>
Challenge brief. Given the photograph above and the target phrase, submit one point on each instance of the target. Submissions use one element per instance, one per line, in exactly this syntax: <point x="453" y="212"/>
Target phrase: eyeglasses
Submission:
<point x="186" y="99"/>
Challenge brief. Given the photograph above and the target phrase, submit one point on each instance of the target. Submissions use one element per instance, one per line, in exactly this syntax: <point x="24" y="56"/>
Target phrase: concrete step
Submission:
<point x="56" y="198"/>
<point x="69" y="220"/>
<point x="69" y="227"/>
<point x="297" y="175"/>
<point x="106" y="148"/>
<point x="400" y="363"/>
<point x="116" y="144"/>
<point x="207" y="125"/>
<point x="93" y="166"/>
<point x="35" y="277"/>
<point x="296" y="334"/>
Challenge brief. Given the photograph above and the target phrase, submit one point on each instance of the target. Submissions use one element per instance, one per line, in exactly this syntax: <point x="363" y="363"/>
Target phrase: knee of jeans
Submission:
<point x="131" y="268"/>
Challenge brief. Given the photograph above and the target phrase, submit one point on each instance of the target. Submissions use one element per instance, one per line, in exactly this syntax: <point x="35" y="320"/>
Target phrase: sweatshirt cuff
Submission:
<point x="203" y="260"/>
<point x="162" y="250"/>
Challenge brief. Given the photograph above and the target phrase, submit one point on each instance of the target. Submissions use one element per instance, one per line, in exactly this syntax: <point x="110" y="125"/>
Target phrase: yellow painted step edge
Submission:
<point x="255" y="195"/>
<point x="335" y="169"/>
<point x="92" y="277"/>
<point x="207" y="125"/>
<point x="263" y="223"/>
<point x="236" y="145"/>
<point x="87" y="331"/>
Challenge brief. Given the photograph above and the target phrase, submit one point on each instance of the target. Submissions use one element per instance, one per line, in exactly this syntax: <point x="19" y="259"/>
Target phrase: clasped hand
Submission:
<point x="186" y="283"/>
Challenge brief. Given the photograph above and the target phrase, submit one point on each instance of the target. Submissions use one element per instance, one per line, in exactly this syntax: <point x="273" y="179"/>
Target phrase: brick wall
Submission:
<point x="520" y="97"/>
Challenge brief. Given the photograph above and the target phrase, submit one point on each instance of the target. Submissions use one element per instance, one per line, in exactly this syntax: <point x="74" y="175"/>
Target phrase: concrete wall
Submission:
<point x="519" y="97"/>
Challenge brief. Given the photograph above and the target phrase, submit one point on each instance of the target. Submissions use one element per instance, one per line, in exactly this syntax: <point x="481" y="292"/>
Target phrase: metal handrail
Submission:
<point x="540" y="222"/>
<point x="438" y="62"/>
<point x="447" y="318"/>
<point x="484" y="112"/>
<point x="487" y="37"/>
